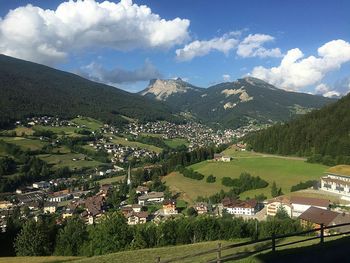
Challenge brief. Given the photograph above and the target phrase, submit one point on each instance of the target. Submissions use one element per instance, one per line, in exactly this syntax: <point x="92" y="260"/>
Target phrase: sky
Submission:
<point x="297" y="45"/>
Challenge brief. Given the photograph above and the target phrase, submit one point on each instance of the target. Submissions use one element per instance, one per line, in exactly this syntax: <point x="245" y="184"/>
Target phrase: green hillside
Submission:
<point x="322" y="134"/>
<point x="29" y="89"/>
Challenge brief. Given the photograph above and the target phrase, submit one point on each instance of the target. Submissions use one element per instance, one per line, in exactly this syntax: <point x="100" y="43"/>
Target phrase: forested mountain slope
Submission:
<point x="322" y="134"/>
<point x="29" y="89"/>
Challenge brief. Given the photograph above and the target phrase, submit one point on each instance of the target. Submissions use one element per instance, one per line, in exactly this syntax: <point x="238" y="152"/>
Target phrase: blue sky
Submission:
<point x="204" y="42"/>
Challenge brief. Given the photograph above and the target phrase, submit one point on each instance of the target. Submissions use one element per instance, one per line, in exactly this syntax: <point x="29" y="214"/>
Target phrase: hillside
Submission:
<point x="29" y="89"/>
<point x="232" y="104"/>
<point x="323" y="132"/>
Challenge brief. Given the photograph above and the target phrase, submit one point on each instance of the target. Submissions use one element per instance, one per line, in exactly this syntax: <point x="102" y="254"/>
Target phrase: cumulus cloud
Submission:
<point x="226" y="77"/>
<point x="98" y="72"/>
<point x="47" y="36"/>
<point x="326" y="91"/>
<point x="296" y="71"/>
<point x="252" y="46"/>
<point x="201" y="48"/>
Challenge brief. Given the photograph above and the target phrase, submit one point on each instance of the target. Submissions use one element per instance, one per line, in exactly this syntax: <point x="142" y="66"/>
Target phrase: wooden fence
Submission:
<point x="271" y="240"/>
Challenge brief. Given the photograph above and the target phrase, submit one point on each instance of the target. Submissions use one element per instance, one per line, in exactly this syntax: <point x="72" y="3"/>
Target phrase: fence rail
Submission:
<point x="219" y="258"/>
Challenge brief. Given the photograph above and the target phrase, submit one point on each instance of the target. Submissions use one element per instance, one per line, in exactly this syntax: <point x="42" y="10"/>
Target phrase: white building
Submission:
<point x="237" y="207"/>
<point x="336" y="183"/>
<point x="151" y="197"/>
<point x="301" y="204"/>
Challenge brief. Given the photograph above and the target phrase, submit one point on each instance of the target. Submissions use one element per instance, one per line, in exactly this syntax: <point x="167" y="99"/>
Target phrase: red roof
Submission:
<point x="319" y="216"/>
<point x="309" y="201"/>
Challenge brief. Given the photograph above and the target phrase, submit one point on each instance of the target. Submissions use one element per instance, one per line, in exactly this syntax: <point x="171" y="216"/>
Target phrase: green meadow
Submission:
<point x="285" y="171"/>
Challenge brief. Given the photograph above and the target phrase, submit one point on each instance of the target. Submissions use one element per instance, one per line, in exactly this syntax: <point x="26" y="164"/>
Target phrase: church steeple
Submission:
<point x="128" y="181"/>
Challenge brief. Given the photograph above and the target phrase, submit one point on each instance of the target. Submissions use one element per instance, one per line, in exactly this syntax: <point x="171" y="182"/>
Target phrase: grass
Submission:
<point x="122" y="141"/>
<point x="25" y="143"/>
<point x="111" y="180"/>
<point x="307" y="249"/>
<point x="53" y="259"/>
<point x="90" y="123"/>
<point x="61" y="160"/>
<point x="286" y="172"/>
<point x="20" y="130"/>
<point x="69" y="131"/>
<point x="340" y="169"/>
<point x="176" y="142"/>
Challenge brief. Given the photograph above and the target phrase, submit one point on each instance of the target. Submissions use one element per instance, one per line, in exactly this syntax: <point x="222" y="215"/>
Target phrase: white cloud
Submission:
<point x="47" y="36"/>
<point x="326" y="91"/>
<point x="97" y="72"/>
<point x="296" y="72"/>
<point x="251" y="46"/>
<point x="331" y="94"/>
<point x="226" y="77"/>
<point x="201" y="48"/>
<point x="322" y="88"/>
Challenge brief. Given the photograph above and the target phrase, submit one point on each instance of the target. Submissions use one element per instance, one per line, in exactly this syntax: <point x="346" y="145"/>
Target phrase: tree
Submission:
<point x="132" y="199"/>
<point x="112" y="234"/>
<point x="32" y="240"/>
<point x="71" y="238"/>
<point x="191" y="211"/>
<point x="275" y="191"/>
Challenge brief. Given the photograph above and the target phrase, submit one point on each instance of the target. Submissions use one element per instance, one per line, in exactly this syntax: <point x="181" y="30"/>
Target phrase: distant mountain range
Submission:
<point x="233" y="104"/>
<point x="29" y="89"/>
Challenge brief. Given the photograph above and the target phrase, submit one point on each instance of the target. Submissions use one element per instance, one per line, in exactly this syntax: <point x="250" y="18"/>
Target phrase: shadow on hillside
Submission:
<point x="331" y="251"/>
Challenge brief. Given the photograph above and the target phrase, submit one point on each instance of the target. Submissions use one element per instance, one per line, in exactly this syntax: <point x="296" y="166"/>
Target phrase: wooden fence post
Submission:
<point x="273" y="239"/>
<point x="322" y="234"/>
<point x="218" y="255"/>
<point x="157" y="259"/>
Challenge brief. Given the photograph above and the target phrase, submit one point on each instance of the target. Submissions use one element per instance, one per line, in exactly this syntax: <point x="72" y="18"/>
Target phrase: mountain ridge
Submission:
<point x="233" y="104"/>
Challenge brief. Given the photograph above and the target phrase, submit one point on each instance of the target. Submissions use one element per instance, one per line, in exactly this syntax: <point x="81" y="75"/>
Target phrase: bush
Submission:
<point x="211" y="179"/>
<point x="189" y="173"/>
<point x="303" y="185"/>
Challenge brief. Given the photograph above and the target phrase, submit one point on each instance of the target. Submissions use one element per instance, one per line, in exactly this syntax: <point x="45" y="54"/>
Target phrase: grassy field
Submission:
<point x="90" y="123"/>
<point x="173" y="143"/>
<point x="122" y="141"/>
<point x="165" y="253"/>
<point x="111" y="180"/>
<point x="340" y="169"/>
<point x="24" y="143"/>
<point x="61" y="160"/>
<point x="285" y="171"/>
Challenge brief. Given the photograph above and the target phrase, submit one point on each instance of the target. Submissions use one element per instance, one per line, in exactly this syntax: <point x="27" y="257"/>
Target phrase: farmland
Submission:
<point x="285" y="171"/>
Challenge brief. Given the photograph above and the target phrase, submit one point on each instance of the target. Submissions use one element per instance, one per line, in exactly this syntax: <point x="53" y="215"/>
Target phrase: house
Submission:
<point x="105" y="189"/>
<point x="238" y="207"/>
<point x="95" y="208"/>
<point x="142" y="190"/>
<point x="201" y="208"/>
<point x="68" y="212"/>
<point x="336" y="183"/>
<point x="277" y="203"/>
<point x="217" y="157"/>
<point x="151" y="197"/>
<point x="226" y="159"/>
<point x="55" y="197"/>
<point x="5" y="205"/>
<point x="300" y="204"/>
<point x="135" y="218"/>
<point x="314" y="217"/>
<point x="169" y="207"/>
<point x="131" y="208"/>
<point x="50" y="208"/>
<point x="41" y="185"/>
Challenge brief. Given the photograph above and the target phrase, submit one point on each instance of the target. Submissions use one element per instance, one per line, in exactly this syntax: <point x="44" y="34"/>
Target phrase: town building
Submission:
<point x="277" y="203"/>
<point x="238" y="207"/>
<point x="135" y="218"/>
<point x="300" y="204"/>
<point x="142" y="190"/>
<point x="50" y="208"/>
<point x="201" y="208"/>
<point x="313" y="217"/>
<point x="41" y="185"/>
<point x="169" y="207"/>
<point x="336" y="183"/>
<point x="151" y="197"/>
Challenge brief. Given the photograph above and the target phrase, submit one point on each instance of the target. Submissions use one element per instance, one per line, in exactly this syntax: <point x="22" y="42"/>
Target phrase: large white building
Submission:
<point x="279" y="203"/>
<point x="336" y="183"/>
<point x="238" y="207"/>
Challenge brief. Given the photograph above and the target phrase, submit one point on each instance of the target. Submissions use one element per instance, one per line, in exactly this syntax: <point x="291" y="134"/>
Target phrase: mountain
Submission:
<point x="232" y="104"/>
<point x="323" y="134"/>
<point x="29" y="89"/>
